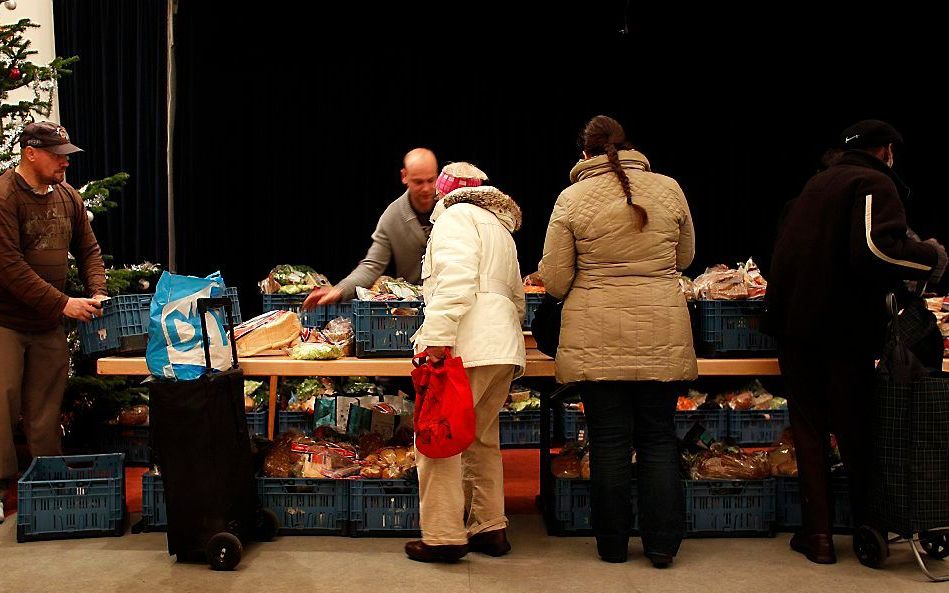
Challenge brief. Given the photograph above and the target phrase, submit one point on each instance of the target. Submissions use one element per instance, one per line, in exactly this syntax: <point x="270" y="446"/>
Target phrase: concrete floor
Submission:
<point x="538" y="563"/>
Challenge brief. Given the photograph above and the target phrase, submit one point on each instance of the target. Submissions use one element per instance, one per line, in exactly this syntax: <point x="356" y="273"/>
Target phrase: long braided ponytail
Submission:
<point x="604" y="135"/>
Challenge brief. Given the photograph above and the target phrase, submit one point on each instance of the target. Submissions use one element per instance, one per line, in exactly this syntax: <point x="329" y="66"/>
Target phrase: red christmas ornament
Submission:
<point x="14" y="73"/>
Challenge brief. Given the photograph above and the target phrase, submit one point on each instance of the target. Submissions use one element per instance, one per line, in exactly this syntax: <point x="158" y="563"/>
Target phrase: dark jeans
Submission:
<point x="829" y="391"/>
<point x="619" y="415"/>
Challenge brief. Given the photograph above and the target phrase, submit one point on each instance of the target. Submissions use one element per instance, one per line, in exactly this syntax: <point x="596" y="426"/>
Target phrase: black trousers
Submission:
<point x="621" y="414"/>
<point x="830" y="386"/>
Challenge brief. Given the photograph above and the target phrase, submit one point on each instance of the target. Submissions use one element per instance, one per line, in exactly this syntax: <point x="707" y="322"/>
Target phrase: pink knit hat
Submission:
<point x="455" y="175"/>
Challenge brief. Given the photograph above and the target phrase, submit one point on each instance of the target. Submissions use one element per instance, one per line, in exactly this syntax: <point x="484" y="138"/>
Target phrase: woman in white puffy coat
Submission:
<point x="474" y="306"/>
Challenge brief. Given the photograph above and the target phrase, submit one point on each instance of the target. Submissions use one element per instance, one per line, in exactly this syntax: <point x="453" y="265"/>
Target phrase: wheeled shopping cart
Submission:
<point x="910" y="496"/>
<point x="203" y="450"/>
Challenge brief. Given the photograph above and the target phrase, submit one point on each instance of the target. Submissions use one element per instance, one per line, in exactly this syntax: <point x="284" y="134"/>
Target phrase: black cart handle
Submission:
<point x="563" y="391"/>
<point x="217" y="303"/>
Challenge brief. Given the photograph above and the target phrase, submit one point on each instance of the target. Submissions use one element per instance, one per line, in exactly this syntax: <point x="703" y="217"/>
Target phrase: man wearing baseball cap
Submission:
<point x="42" y="220"/>
<point x="842" y="246"/>
<point x="874" y="136"/>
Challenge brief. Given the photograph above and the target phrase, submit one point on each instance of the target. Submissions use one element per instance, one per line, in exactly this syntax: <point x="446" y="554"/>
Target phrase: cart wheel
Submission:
<point x="870" y="547"/>
<point x="267" y="525"/>
<point x="936" y="545"/>
<point x="224" y="551"/>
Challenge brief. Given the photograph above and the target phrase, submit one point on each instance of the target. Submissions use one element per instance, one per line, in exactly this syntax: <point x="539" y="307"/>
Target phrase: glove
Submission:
<point x="941" y="260"/>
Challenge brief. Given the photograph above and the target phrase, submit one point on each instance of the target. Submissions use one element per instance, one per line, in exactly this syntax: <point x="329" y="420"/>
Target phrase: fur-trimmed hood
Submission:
<point x="487" y="197"/>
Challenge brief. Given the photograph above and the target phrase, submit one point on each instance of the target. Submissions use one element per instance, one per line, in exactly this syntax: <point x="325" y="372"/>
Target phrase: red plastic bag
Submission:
<point x="444" y="408"/>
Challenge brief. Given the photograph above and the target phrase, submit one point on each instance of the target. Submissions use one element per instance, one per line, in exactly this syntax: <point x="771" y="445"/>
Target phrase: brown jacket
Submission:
<point x="625" y="317"/>
<point x="36" y="233"/>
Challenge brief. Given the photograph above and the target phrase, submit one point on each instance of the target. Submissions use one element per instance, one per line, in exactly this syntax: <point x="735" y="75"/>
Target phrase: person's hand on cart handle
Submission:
<point x="322" y="296"/>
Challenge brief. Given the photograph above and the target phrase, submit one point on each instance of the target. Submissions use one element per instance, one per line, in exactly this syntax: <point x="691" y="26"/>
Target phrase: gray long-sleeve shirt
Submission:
<point x="399" y="239"/>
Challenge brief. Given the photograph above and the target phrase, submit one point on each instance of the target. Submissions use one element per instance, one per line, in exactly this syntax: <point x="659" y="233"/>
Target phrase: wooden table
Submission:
<point x="538" y="365"/>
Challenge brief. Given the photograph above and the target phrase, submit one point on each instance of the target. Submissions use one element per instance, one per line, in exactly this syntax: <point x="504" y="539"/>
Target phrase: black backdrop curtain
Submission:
<point x="290" y="131"/>
<point x="114" y="108"/>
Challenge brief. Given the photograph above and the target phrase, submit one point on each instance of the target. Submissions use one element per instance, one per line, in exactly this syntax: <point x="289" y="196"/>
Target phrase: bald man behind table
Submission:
<point x="400" y="237"/>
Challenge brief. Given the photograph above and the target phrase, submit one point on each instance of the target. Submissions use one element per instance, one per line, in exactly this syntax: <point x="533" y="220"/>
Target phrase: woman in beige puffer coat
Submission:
<point x="617" y="240"/>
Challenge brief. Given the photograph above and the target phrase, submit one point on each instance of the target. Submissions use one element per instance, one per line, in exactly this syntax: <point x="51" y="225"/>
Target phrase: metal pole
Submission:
<point x="170" y="130"/>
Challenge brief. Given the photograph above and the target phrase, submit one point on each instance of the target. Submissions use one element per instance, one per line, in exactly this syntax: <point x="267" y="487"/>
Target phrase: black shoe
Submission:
<point x="421" y="552"/>
<point x="612" y="551"/>
<point x="493" y="543"/>
<point x="818" y="547"/>
<point x="660" y="560"/>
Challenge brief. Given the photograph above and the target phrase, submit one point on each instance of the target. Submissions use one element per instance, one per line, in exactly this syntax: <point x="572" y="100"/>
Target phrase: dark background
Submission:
<point x="290" y="127"/>
<point x="114" y="107"/>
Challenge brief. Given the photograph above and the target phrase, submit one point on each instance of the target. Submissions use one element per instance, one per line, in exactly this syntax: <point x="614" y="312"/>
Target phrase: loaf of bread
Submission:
<point x="270" y="331"/>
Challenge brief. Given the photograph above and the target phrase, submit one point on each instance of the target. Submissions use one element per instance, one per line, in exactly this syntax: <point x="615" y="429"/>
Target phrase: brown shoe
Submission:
<point x="493" y="543"/>
<point x="818" y="547"/>
<point x="421" y="552"/>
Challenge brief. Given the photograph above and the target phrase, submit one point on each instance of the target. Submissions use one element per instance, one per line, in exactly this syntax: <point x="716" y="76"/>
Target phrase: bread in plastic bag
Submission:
<point x="281" y="460"/>
<point x="721" y="464"/>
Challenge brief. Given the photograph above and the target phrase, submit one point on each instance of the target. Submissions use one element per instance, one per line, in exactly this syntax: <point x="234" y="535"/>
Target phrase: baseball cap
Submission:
<point x="48" y="136"/>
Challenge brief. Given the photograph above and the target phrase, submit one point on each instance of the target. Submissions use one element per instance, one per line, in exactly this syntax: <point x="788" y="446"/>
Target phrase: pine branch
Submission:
<point x="15" y="53"/>
<point x="95" y="194"/>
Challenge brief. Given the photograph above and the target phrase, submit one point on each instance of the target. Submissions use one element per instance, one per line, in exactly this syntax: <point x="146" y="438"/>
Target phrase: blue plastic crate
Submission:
<point x="572" y="507"/>
<point x="729" y="507"/>
<point x="519" y="428"/>
<point x="283" y="302"/>
<point x="379" y="333"/>
<point x="573" y="422"/>
<point x="154" y="511"/>
<point x="714" y="421"/>
<point x="732" y="329"/>
<point x="788" y="503"/>
<point x="533" y="301"/>
<point x="757" y="427"/>
<point x="132" y="441"/>
<point x="306" y="505"/>
<point x="323" y="314"/>
<point x="301" y="421"/>
<point x="231" y="292"/>
<point x="123" y="326"/>
<point x="383" y="507"/>
<point x="316" y="317"/>
<point x="257" y="422"/>
<point x="70" y="497"/>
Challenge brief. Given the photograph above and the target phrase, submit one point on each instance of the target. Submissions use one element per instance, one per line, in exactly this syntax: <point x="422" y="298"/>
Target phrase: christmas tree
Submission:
<point x="88" y="400"/>
<point x="17" y="71"/>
